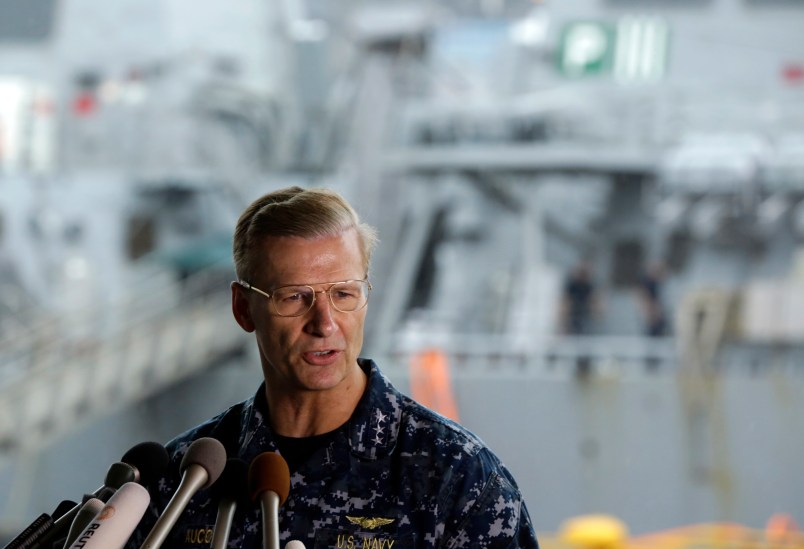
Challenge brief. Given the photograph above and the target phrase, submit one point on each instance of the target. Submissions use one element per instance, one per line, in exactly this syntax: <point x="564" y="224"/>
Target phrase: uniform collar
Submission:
<point x="374" y="425"/>
<point x="373" y="428"/>
<point x="254" y="419"/>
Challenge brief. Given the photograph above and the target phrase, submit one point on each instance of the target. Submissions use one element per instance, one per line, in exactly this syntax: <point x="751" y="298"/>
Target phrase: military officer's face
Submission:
<point x="318" y="350"/>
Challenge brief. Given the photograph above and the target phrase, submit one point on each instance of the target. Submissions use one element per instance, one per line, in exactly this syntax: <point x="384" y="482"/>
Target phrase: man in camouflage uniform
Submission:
<point x="370" y="468"/>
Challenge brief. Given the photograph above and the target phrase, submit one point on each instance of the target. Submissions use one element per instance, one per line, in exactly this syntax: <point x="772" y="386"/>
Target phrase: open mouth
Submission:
<point x="322" y="358"/>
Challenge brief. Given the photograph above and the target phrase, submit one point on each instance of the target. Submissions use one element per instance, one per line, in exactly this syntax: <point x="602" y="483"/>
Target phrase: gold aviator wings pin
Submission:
<point x="369" y="522"/>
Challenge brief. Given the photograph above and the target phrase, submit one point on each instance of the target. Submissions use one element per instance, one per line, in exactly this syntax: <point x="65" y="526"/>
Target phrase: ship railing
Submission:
<point x="61" y="375"/>
<point x="598" y="356"/>
<point x="470" y="354"/>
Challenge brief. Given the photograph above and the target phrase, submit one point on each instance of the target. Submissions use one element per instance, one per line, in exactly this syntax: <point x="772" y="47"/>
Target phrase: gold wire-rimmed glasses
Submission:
<point x="346" y="296"/>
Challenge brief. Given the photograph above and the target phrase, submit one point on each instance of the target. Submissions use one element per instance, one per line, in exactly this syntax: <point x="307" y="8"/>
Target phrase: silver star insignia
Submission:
<point x="381" y="417"/>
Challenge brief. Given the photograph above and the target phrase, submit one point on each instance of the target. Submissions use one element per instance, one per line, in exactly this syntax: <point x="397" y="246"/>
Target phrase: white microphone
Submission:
<point x="116" y="521"/>
<point x="200" y="468"/>
<point x="88" y="511"/>
<point x="269" y="481"/>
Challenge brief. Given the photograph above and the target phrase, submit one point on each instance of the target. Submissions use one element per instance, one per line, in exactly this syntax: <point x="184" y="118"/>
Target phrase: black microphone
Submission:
<point x="231" y="490"/>
<point x="31" y="535"/>
<point x="143" y="463"/>
<point x="103" y="494"/>
<point x="150" y="459"/>
<point x="200" y="468"/>
<point x="269" y="482"/>
<point x="64" y="506"/>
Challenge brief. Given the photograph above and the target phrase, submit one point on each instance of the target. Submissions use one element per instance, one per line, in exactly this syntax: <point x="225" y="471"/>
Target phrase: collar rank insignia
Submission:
<point x="369" y="523"/>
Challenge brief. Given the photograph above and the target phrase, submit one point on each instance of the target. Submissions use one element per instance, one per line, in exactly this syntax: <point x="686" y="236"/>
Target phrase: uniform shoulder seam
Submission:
<point x="460" y="433"/>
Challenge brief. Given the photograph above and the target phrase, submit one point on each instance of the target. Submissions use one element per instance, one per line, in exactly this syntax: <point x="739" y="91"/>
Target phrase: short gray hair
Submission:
<point x="294" y="211"/>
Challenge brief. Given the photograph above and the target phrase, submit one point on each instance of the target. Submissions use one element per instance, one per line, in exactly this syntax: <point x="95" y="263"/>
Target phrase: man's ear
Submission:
<point x="240" y="308"/>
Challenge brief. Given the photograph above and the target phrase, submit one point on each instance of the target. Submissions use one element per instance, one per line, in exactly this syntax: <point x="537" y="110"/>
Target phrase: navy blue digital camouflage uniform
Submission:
<point x="433" y="483"/>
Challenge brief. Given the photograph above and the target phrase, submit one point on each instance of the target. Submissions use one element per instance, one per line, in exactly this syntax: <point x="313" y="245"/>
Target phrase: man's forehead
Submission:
<point x="348" y="238"/>
<point x="296" y="260"/>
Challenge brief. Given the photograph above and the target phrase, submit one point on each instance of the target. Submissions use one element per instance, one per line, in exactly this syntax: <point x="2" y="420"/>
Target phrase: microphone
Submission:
<point x="116" y="521"/>
<point x="118" y="474"/>
<point x="230" y="490"/>
<point x="149" y="459"/>
<point x="143" y="463"/>
<point x="39" y="527"/>
<point x="88" y="511"/>
<point x="102" y="494"/>
<point x="64" y="506"/>
<point x="269" y="481"/>
<point x="200" y="468"/>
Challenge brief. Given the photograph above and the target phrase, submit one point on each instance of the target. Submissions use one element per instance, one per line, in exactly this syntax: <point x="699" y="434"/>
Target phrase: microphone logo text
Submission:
<point x="85" y="537"/>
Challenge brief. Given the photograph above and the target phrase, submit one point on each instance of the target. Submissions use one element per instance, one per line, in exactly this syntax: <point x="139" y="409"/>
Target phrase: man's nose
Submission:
<point x="322" y="321"/>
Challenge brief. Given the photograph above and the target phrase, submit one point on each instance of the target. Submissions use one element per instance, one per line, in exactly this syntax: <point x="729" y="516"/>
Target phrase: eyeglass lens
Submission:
<point x="297" y="300"/>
